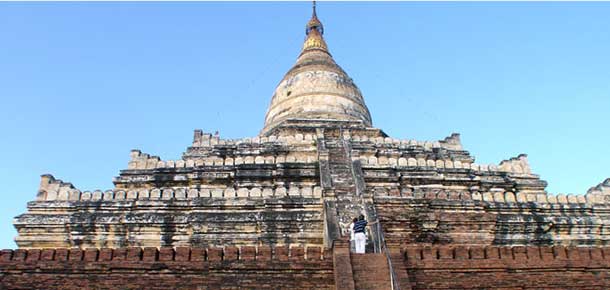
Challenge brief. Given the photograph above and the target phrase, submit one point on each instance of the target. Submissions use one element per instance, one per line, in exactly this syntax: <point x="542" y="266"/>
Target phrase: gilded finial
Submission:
<point x="314" y="22"/>
<point x="314" y="31"/>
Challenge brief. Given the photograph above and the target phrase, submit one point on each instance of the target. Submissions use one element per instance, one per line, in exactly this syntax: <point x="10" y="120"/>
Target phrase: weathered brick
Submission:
<point x="183" y="254"/>
<point x="166" y="254"/>
<point x="90" y="255"/>
<point x="150" y="254"/>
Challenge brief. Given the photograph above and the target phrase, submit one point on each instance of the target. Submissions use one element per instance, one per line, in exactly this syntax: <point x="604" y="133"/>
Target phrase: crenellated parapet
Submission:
<point x="242" y="267"/>
<point x="517" y="164"/>
<point x="202" y="139"/>
<point x="53" y="189"/>
<point x="141" y="161"/>
<point x="283" y="253"/>
<point x="496" y="267"/>
<point x="600" y="193"/>
<point x="452" y="142"/>
<point x="145" y="162"/>
<point x="497" y="195"/>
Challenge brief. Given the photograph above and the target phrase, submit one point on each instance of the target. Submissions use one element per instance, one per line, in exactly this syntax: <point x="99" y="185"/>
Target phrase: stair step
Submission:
<point x="370" y="271"/>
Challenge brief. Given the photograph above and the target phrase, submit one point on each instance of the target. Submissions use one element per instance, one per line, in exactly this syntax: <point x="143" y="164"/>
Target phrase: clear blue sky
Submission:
<point x="83" y="83"/>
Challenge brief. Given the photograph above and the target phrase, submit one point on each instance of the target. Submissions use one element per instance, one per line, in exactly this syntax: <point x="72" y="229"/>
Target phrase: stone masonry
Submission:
<point x="273" y="211"/>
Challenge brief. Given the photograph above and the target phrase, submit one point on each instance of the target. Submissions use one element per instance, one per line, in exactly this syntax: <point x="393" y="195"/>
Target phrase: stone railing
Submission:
<point x="516" y="165"/>
<point x="52" y="189"/>
<point x="497" y="196"/>
<point x="542" y="198"/>
<point x="142" y="161"/>
<point x="450" y="143"/>
<point x="599" y="195"/>
<point x="430" y="194"/>
<point x="207" y="140"/>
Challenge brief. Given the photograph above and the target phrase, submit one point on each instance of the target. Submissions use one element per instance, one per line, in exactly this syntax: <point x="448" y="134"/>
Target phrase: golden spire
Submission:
<point x="314" y="31"/>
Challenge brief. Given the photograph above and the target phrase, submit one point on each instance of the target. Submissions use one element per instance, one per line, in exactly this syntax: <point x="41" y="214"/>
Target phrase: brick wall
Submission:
<point x="442" y="267"/>
<point x="263" y="267"/>
<point x="167" y="268"/>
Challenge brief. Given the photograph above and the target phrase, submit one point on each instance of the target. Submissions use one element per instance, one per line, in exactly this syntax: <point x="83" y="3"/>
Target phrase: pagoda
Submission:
<point x="273" y="211"/>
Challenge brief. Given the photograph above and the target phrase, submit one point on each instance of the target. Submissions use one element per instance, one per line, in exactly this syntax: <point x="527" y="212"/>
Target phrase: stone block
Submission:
<point x="108" y="195"/>
<point x="256" y="192"/>
<point x="155" y="194"/>
<point x="267" y="192"/>
<point x="531" y="197"/>
<point x="372" y="160"/>
<point x="383" y="160"/>
<point x="572" y="199"/>
<point x="439" y="164"/>
<point x="317" y="191"/>
<point x="217" y="192"/>
<point x="421" y="162"/>
<point x="180" y="193"/>
<point x="120" y="195"/>
<point x="143" y="194"/>
<point x="307" y="191"/>
<point x="229" y="161"/>
<point x="97" y="195"/>
<point x="281" y="192"/>
<point x="499" y="197"/>
<point x="242" y="192"/>
<point x="192" y="193"/>
<point x="541" y="198"/>
<point x="206" y="192"/>
<point x="230" y="192"/>
<point x="509" y="196"/>
<point x="294" y="191"/>
<point x="74" y="194"/>
<point x="85" y="195"/>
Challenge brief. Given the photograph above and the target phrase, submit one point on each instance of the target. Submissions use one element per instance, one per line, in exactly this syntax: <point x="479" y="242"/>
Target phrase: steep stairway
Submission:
<point x="371" y="272"/>
<point x="349" y="203"/>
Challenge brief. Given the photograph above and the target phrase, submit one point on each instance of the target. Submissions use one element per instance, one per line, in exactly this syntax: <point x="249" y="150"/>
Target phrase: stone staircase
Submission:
<point x="371" y="272"/>
<point x="360" y="271"/>
<point x="341" y="177"/>
<point x="348" y="201"/>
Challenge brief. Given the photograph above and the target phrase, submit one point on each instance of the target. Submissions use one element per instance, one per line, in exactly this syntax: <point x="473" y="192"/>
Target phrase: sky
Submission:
<point x="81" y="84"/>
